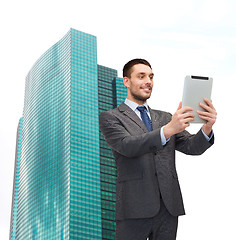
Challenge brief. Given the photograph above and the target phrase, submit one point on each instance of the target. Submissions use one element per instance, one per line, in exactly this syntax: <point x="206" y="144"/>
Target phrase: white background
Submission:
<point x="179" y="38"/>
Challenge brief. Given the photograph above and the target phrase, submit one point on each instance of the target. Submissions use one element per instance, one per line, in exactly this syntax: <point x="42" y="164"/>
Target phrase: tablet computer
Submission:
<point x="195" y="90"/>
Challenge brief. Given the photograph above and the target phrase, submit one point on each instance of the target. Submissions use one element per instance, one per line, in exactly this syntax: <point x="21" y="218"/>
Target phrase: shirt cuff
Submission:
<point x="207" y="138"/>
<point x="163" y="138"/>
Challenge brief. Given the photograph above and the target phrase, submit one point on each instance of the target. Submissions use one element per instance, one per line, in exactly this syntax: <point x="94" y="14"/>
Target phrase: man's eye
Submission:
<point x="141" y="77"/>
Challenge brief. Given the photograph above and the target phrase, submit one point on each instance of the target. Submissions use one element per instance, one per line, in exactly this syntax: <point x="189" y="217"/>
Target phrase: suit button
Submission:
<point x="153" y="148"/>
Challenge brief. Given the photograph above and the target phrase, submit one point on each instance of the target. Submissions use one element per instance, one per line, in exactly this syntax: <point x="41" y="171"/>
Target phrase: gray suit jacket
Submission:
<point x="145" y="168"/>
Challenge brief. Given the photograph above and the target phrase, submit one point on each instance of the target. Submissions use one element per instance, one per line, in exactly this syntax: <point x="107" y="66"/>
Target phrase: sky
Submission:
<point x="178" y="38"/>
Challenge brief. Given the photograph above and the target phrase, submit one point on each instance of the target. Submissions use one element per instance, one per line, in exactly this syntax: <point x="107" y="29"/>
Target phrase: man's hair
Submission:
<point x="127" y="70"/>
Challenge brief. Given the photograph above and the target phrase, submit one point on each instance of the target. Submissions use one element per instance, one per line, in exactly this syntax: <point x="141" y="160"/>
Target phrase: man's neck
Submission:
<point x="139" y="102"/>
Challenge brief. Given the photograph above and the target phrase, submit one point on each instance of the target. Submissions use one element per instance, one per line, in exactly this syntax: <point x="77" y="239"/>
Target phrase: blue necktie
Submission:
<point x="146" y="120"/>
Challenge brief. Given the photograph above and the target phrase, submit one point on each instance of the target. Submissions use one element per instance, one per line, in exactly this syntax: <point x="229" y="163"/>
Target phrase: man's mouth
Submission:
<point x="147" y="89"/>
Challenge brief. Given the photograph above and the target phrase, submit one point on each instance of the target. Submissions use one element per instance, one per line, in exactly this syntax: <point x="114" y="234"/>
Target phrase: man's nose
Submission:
<point x="148" y="80"/>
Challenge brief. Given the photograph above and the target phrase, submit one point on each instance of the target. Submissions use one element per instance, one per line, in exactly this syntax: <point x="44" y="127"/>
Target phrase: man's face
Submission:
<point x="140" y="83"/>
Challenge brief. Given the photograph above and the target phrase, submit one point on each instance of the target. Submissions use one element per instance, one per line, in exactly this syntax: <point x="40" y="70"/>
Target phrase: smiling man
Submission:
<point x="140" y="85"/>
<point x="143" y="142"/>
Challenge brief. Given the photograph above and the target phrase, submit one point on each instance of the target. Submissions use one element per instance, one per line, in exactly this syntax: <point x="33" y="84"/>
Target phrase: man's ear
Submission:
<point x="126" y="81"/>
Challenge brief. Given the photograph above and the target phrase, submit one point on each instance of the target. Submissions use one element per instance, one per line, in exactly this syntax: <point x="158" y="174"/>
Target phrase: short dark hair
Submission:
<point x="128" y="66"/>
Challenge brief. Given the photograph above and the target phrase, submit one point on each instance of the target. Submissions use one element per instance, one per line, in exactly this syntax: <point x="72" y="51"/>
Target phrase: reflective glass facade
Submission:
<point x="64" y="185"/>
<point x="44" y="182"/>
<point x="107" y="101"/>
<point x="121" y="91"/>
<point x="85" y="193"/>
<point x="16" y="181"/>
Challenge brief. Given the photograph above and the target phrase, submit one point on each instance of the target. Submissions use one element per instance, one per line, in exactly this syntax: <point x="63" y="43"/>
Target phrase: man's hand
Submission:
<point x="209" y="116"/>
<point x="180" y="120"/>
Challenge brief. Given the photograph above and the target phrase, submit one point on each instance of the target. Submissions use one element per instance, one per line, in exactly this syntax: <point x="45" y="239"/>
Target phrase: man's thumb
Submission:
<point x="180" y="106"/>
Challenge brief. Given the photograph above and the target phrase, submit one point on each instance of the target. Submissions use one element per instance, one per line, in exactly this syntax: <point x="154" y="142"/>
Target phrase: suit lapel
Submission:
<point x="155" y="119"/>
<point x="132" y="115"/>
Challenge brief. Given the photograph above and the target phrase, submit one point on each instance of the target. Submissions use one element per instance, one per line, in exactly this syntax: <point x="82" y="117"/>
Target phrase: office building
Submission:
<point x="65" y="175"/>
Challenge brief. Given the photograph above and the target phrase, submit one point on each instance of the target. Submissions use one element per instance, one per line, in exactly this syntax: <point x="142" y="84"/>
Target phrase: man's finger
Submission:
<point x="180" y="106"/>
<point x="188" y="114"/>
<point x="208" y="108"/>
<point x="186" y="109"/>
<point x="209" y="103"/>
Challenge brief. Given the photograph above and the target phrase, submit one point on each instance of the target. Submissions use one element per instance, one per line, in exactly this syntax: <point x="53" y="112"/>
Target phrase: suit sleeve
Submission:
<point x="195" y="144"/>
<point x="120" y="140"/>
<point x="191" y="144"/>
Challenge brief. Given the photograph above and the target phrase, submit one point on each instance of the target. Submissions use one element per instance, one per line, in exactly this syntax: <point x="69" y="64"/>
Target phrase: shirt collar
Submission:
<point x="134" y="105"/>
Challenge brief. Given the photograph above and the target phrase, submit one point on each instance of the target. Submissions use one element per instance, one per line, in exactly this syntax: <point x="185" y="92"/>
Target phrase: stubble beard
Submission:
<point x="140" y="98"/>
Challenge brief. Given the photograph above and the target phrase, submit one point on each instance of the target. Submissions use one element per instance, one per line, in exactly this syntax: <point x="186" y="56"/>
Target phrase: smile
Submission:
<point x="147" y="89"/>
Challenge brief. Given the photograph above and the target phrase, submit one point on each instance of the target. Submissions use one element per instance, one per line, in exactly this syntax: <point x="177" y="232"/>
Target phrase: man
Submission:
<point x="143" y="142"/>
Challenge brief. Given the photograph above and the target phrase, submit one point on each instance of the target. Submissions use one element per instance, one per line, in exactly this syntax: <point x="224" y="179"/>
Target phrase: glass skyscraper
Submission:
<point x="65" y="174"/>
<point x="16" y="182"/>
